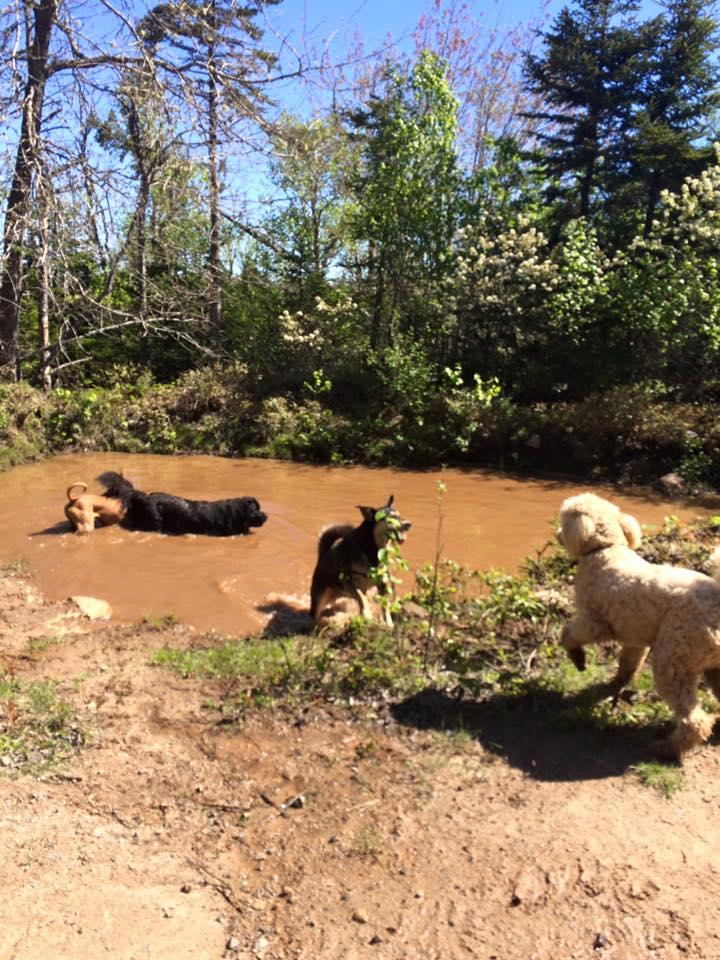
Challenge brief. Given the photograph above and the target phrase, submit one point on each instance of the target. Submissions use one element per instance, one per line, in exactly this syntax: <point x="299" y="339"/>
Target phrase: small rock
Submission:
<point x="261" y="945"/>
<point x="671" y="485"/>
<point x="232" y="944"/>
<point x="600" y="942"/>
<point x="185" y="888"/>
<point x="93" y="608"/>
<point x="360" y="916"/>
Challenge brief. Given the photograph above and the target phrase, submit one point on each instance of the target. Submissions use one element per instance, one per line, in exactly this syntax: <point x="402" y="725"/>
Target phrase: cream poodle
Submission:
<point x="670" y="610"/>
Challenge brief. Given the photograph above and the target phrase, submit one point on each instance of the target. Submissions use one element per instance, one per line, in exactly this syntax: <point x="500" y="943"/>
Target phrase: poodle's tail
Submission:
<point x="116" y="485"/>
<point x="714" y="564"/>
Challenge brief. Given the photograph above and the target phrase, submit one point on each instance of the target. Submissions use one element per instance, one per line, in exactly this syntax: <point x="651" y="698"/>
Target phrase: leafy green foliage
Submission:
<point x="37" y="728"/>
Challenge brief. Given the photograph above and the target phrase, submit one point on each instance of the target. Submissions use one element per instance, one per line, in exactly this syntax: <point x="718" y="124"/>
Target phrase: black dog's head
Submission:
<point x="255" y="516"/>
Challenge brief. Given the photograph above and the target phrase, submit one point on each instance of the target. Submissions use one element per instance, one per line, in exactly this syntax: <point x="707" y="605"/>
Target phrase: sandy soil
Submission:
<point x="338" y="832"/>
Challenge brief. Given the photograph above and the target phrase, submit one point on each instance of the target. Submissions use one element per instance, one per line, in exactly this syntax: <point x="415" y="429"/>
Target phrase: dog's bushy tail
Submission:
<point x="115" y="485"/>
<point x="328" y="536"/>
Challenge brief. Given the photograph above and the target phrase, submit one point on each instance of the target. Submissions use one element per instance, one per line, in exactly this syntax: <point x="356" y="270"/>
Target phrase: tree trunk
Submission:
<point x="652" y="202"/>
<point x="141" y="211"/>
<point x="43" y="298"/>
<point x="215" y="305"/>
<point x="26" y="159"/>
<point x="586" y="186"/>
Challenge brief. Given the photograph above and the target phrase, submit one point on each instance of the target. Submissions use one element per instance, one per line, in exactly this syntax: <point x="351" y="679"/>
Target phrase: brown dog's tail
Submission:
<point x="78" y="483"/>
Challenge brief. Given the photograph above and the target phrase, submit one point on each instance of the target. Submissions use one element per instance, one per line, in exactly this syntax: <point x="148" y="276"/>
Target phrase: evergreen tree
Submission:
<point x="670" y="139"/>
<point x="588" y="75"/>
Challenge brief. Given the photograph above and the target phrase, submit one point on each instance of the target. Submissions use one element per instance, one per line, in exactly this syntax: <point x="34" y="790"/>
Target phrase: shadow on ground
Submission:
<point x="286" y="618"/>
<point x="538" y="731"/>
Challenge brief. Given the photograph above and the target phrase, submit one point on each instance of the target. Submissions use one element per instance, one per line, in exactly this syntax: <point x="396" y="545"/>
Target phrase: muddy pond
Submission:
<point x="231" y="585"/>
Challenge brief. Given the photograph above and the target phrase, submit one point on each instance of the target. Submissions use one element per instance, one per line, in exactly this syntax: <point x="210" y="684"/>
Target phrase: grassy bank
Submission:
<point x="631" y="434"/>
<point x="471" y="652"/>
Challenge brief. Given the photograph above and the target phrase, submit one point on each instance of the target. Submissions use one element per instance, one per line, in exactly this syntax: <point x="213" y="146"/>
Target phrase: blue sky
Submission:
<point x="329" y="27"/>
<point x="378" y="18"/>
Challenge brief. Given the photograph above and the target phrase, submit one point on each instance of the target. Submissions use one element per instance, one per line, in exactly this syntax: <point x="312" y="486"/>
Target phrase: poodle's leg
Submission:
<point x="677" y="685"/>
<point x="630" y="663"/>
<point x="712" y="678"/>
<point x="580" y="631"/>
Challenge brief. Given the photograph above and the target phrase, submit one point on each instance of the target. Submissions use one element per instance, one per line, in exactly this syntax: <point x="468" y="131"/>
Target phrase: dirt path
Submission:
<point x="334" y="833"/>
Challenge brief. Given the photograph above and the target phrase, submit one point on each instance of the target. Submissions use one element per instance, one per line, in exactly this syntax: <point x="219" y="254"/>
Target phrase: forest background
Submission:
<point x="485" y="243"/>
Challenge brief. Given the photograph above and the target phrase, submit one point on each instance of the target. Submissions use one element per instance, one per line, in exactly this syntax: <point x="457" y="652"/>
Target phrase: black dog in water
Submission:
<point x="167" y="513"/>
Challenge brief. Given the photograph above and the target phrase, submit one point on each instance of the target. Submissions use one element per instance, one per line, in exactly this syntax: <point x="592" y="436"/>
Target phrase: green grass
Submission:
<point x="362" y="660"/>
<point x="17" y="568"/>
<point x="37" y="727"/>
<point x="368" y="842"/>
<point x="666" y="779"/>
<point x="160" y="623"/>
<point x="39" y="644"/>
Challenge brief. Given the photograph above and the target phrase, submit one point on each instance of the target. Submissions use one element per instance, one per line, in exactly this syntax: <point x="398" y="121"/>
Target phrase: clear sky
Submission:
<point x="332" y="29"/>
<point x="378" y="18"/>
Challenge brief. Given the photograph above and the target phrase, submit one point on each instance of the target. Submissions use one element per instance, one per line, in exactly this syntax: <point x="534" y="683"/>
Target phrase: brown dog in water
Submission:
<point x="347" y="556"/>
<point x="85" y="510"/>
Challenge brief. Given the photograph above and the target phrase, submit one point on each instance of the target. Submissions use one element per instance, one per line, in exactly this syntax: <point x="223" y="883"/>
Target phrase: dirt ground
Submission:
<point x="353" y="832"/>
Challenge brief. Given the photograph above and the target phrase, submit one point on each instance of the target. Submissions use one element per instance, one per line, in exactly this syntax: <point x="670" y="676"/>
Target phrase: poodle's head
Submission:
<point x="587" y="523"/>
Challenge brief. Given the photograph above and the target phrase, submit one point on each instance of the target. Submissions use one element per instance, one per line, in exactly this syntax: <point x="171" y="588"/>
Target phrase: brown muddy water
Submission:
<point x="233" y="585"/>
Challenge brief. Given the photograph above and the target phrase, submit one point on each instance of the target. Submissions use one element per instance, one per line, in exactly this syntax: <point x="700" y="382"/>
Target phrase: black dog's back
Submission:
<point x="166" y="513"/>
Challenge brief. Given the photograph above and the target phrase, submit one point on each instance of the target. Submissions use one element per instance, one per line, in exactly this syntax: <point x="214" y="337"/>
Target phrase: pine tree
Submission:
<point x="670" y="140"/>
<point x="587" y="75"/>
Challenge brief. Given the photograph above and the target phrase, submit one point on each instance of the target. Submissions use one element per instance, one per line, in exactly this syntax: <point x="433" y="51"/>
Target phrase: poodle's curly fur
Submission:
<point x="620" y="596"/>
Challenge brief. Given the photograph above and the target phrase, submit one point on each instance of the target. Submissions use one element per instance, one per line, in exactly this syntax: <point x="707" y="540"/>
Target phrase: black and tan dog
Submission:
<point x="85" y="511"/>
<point x="166" y="513"/>
<point x="347" y="554"/>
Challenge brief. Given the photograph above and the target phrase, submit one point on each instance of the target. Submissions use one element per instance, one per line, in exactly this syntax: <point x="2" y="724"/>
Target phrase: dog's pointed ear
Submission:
<point x="632" y="530"/>
<point x="367" y="512"/>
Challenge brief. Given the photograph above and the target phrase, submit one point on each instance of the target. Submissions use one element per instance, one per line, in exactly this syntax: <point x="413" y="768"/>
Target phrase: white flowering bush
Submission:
<point x="664" y="295"/>
<point x="323" y="335"/>
<point x="521" y="306"/>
